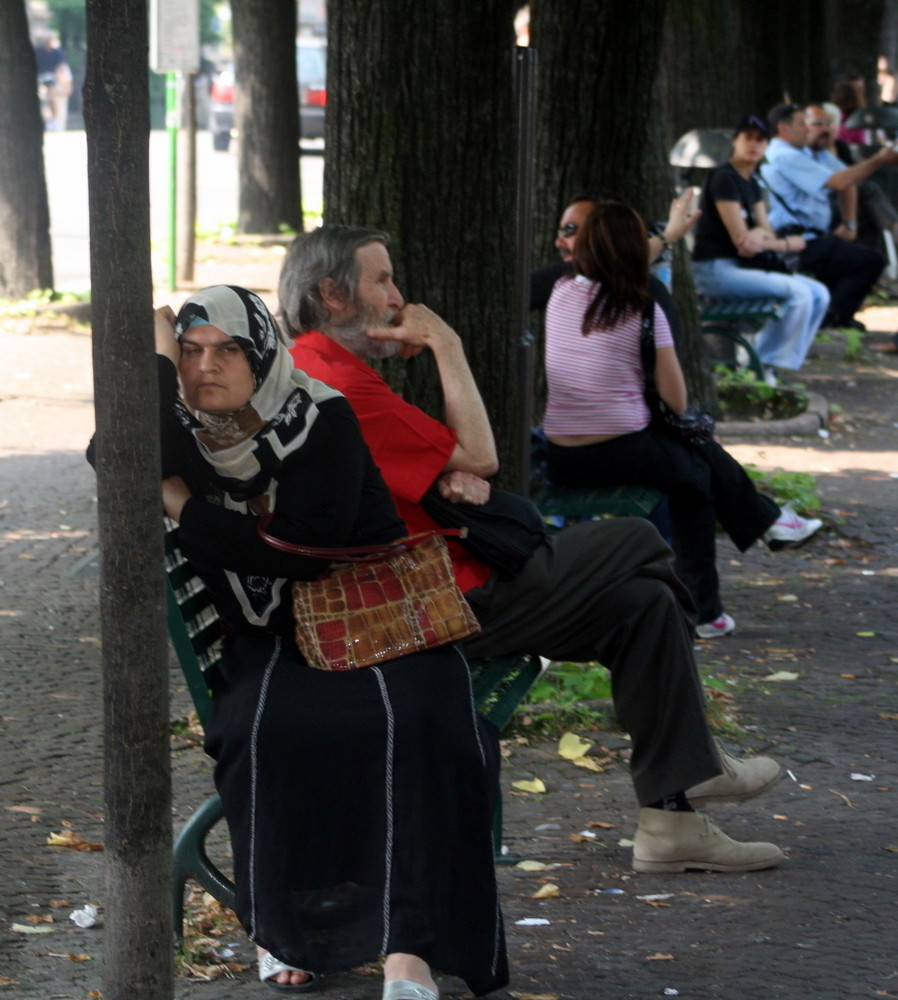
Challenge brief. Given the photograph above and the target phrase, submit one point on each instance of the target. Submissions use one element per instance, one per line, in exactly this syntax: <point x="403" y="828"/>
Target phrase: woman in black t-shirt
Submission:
<point x="733" y="231"/>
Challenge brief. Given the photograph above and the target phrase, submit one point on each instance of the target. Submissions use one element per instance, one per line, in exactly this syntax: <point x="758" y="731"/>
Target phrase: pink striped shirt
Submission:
<point x="595" y="382"/>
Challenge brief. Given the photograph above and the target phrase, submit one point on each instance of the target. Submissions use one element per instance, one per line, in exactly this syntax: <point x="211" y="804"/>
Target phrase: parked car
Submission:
<point x="311" y="81"/>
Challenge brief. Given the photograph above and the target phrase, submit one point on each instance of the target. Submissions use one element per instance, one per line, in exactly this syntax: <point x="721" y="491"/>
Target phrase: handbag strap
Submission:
<point x="351" y="553"/>
<point x="647" y="347"/>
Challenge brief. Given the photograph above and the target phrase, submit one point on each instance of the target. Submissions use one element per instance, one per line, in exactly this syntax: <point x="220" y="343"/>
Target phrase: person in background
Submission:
<point x="731" y="234"/>
<point x="599" y="426"/>
<point x="55" y="77"/>
<point x="598" y="591"/>
<point x="885" y="78"/>
<point x="799" y="206"/>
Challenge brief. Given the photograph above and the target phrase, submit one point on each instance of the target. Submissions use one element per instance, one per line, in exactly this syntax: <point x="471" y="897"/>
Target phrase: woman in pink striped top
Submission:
<point x="599" y="426"/>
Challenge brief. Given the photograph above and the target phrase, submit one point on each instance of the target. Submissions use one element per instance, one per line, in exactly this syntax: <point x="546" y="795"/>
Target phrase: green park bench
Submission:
<point x="564" y="504"/>
<point x="195" y="631"/>
<point x="732" y="318"/>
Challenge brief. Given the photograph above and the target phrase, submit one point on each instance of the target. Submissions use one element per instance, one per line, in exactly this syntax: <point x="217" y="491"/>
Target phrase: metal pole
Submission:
<point x="171" y="124"/>
<point x="525" y="67"/>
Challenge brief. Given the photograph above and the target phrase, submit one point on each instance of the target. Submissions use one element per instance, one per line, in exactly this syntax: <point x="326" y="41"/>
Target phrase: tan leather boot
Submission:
<point x="669" y="841"/>
<point x="741" y="780"/>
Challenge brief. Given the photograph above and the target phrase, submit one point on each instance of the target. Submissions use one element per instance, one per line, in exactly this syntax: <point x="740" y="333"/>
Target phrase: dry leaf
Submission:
<point x="589" y="763"/>
<point x="782" y="675"/>
<point x="535" y="785"/>
<point x="891" y="847"/>
<point x="849" y="677"/>
<point x="82" y="957"/>
<point x="74" y="840"/>
<point x="571" y="747"/>
<point x="28" y="810"/>
<point x="887" y="715"/>
<point x="599" y="825"/>
<point x="787" y="597"/>
<point x="95" y="995"/>
<point x="658" y="957"/>
<point x="29" y="929"/>
<point x="657" y="903"/>
<point x="578" y="838"/>
<point x="533" y="996"/>
<point x="533" y="866"/>
<point x="39" y="918"/>
<point x="547" y="891"/>
<point x="8" y="982"/>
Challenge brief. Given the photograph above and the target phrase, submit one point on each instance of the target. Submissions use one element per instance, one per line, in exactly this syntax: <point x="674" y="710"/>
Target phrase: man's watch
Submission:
<point x="849" y="225"/>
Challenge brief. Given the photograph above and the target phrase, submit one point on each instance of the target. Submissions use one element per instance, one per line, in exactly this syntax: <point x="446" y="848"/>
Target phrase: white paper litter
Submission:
<point x="532" y="922"/>
<point x="85" y="917"/>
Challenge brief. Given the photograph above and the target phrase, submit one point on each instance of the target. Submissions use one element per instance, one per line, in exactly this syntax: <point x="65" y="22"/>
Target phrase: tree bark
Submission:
<point x="267" y="115"/>
<point x="420" y="142"/>
<point x="138" y="931"/>
<point x="25" y="256"/>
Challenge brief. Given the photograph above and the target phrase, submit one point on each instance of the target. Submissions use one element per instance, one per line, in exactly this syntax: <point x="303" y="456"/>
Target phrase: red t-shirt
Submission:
<point x="409" y="447"/>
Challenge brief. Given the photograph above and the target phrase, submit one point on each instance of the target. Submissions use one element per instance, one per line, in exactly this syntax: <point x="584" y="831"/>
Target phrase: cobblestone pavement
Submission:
<point x="821" y="926"/>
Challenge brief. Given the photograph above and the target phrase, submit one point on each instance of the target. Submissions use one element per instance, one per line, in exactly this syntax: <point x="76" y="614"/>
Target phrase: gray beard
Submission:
<point x="353" y="335"/>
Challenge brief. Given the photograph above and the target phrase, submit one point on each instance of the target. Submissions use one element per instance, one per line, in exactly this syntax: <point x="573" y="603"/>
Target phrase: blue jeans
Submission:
<point x="783" y="342"/>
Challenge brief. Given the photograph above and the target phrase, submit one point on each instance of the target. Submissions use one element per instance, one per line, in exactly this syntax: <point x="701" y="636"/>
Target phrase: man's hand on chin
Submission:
<point x="415" y="327"/>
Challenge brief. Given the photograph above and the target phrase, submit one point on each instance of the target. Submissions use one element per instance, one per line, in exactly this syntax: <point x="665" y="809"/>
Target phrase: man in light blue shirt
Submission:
<point x="799" y="188"/>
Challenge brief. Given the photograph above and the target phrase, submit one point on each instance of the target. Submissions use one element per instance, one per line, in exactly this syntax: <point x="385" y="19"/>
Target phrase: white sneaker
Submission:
<point x="720" y="626"/>
<point x="770" y="376"/>
<point x="790" y="529"/>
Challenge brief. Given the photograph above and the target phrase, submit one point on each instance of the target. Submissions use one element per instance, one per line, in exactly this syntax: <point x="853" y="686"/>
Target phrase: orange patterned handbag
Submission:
<point x="379" y="602"/>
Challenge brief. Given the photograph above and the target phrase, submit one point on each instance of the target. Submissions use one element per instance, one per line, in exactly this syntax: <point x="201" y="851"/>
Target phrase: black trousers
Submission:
<point x="704" y="485"/>
<point x="607" y="591"/>
<point x="848" y="270"/>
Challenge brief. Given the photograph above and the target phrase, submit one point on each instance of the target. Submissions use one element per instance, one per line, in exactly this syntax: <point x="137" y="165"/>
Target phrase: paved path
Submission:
<point x="823" y="926"/>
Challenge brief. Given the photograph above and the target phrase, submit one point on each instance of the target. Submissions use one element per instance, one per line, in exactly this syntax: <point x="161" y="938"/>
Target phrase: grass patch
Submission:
<point x="565" y="698"/>
<point x="797" y="488"/>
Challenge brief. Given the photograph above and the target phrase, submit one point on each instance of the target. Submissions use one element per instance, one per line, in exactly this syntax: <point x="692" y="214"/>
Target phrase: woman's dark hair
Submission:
<point x="612" y="248"/>
<point x="844" y="96"/>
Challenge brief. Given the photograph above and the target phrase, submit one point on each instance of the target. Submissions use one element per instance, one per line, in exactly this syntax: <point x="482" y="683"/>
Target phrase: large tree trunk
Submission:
<point x="267" y="115"/>
<point x="25" y="261"/>
<point x="137" y="921"/>
<point x="420" y="142"/>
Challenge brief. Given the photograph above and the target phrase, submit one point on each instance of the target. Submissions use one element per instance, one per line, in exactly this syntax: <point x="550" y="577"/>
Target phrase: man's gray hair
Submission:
<point x="327" y="252"/>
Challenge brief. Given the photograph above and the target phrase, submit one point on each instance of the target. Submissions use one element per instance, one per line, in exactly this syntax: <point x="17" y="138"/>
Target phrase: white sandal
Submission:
<point x="405" y="989"/>
<point x="270" y="966"/>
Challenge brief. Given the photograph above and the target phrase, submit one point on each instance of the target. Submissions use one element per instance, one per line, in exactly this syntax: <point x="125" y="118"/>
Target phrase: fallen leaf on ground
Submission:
<point x="40" y="918"/>
<point x="658" y="957"/>
<point x="28" y="810"/>
<point x="8" y="982"/>
<point x="865" y="635"/>
<point x="82" y="957"/>
<point x="27" y="929"/>
<point x="547" y="891"/>
<point x="588" y="763"/>
<point x="787" y="597"/>
<point x="597" y="824"/>
<point x="891" y="847"/>
<point x="782" y="675"/>
<point x="74" y="840"/>
<point x="533" y="866"/>
<point x="534" y="785"/>
<point x="580" y="838"/>
<point x="533" y="996"/>
<point x="571" y="746"/>
<point x="887" y="715"/>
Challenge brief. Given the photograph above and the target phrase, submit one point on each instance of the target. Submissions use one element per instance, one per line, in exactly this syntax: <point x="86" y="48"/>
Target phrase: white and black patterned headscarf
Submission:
<point x="247" y="448"/>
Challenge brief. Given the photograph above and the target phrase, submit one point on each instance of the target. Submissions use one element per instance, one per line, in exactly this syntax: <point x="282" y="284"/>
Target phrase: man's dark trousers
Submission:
<point x="848" y="270"/>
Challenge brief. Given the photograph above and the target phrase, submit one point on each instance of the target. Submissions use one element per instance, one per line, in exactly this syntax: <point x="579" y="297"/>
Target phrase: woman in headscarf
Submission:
<point x="358" y="801"/>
